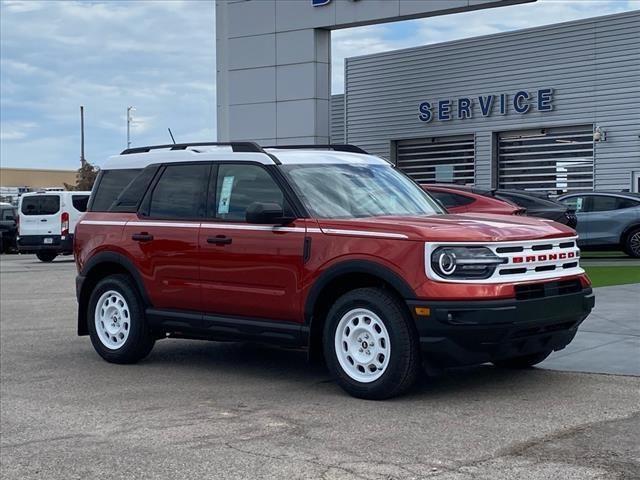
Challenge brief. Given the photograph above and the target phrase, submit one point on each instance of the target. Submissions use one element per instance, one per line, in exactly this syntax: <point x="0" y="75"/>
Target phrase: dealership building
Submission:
<point x="553" y="108"/>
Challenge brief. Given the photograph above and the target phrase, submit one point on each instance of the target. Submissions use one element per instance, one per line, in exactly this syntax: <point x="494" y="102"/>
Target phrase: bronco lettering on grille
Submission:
<point x="543" y="258"/>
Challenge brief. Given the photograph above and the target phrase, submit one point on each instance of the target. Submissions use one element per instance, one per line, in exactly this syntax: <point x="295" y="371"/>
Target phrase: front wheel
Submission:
<point x="117" y="325"/>
<point x="632" y="244"/>
<point x="46" y="257"/>
<point x="524" y="361"/>
<point x="370" y="345"/>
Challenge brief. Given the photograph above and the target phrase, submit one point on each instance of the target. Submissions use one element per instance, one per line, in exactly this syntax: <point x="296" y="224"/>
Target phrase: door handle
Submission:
<point x="142" y="237"/>
<point x="219" y="240"/>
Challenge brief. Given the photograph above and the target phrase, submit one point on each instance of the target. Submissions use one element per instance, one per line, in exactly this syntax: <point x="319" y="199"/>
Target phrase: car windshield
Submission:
<point x="356" y="191"/>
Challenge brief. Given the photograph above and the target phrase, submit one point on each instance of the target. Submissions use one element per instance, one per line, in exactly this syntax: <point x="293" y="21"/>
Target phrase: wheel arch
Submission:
<point x="627" y="230"/>
<point x="339" y="279"/>
<point x="98" y="267"/>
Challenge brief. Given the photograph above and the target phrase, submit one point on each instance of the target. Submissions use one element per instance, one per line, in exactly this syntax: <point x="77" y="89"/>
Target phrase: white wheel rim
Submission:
<point x="362" y="345"/>
<point x="112" y="319"/>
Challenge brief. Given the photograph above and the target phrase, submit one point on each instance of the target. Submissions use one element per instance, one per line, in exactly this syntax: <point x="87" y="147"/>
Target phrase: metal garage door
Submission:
<point x="438" y="159"/>
<point x="550" y="159"/>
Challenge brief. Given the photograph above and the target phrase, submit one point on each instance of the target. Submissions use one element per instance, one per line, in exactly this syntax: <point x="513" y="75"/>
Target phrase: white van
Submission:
<point x="47" y="220"/>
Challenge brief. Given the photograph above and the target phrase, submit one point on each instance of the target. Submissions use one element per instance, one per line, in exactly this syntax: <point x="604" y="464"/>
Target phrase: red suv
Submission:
<point x="326" y="248"/>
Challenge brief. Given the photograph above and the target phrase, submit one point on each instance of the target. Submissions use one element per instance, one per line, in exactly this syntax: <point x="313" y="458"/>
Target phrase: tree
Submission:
<point x="85" y="177"/>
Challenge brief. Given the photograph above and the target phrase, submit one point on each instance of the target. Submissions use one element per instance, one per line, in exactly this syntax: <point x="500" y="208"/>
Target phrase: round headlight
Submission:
<point x="447" y="262"/>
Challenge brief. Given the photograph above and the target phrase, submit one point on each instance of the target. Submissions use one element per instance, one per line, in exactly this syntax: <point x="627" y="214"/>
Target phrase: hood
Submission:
<point x="471" y="227"/>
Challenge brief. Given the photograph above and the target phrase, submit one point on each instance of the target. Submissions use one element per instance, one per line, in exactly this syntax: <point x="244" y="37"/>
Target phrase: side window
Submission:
<point x="603" y="203"/>
<point x="443" y="197"/>
<point x="181" y="192"/>
<point x="449" y="199"/>
<point x="461" y="200"/>
<point x="80" y="202"/>
<point x="130" y="197"/>
<point x="575" y="203"/>
<point x="112" y="182"/>
<point x="238" y="186"/>
<point x="627" y="203"/>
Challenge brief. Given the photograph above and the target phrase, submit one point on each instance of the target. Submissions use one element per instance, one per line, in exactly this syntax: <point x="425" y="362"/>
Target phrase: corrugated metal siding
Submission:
<point x="593" y="66"/>
<point x="336" y="115"/>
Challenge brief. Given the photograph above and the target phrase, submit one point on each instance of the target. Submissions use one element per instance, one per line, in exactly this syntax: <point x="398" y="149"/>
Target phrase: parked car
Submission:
<point x="330" y="249"/>
<point x="47" y="222"/>
<point x="8" y="227"/>
<point x="538" y="206"/>
<point x="607" y="220"/>
<point x="460" y="199"/>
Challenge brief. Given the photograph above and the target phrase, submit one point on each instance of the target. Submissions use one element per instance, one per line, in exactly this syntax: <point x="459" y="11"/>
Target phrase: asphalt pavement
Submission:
<point x="234" y="411"/>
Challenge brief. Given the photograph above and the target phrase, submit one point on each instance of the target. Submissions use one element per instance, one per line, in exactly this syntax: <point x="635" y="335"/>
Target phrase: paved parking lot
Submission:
<point x="209" y="410"/>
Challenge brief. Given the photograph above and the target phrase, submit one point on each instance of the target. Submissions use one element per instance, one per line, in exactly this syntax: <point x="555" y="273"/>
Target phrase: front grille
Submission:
<point x="547" y="289"/>
<point x="526" y="260"/>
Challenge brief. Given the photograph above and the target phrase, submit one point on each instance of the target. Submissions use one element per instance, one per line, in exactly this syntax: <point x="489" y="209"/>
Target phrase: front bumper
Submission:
<point x="474" y="332"/>
<point x="36" y="243"/>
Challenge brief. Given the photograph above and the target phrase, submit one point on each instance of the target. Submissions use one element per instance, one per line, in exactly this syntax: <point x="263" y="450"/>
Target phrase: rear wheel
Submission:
<point x="524" y="361"/>
<point x="117" y="325"/>
<point x="370" y="345"/>
<point x="46" y="256"/>
<point x="632" y="244"/>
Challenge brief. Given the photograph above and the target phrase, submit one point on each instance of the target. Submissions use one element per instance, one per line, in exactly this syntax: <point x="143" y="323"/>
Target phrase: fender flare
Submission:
<point x="354" y="266"/>
<point x="96" y="261"/>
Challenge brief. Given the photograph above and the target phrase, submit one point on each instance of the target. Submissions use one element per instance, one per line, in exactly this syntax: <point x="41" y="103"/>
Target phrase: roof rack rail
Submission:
<point x="336" y="147"/>
<point x="235" y="146"/>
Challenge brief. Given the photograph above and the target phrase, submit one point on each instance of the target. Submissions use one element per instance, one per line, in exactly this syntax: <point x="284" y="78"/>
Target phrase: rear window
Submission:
<point x="8" y="214"/>
<point x="112" y="183"/>
<point x="40" y="205"/>
<point x="80" y="202"/>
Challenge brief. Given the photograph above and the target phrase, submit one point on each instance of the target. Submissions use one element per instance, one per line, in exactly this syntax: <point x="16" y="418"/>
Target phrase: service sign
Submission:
<point x="461" y="108"/>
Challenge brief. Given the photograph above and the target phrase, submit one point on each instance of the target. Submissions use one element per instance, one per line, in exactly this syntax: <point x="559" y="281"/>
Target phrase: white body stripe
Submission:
<point x="164" y="224"/>
<point x="364" y="233"/>
<point x="237" y="226"/>
<point x="101" y="222"/>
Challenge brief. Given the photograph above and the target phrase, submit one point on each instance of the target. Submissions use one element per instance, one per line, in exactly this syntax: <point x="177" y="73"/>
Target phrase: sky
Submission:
<point x="159" y="56"/>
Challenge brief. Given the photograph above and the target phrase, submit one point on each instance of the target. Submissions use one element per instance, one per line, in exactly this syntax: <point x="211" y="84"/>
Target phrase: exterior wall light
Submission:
<point x="599" y="135"/>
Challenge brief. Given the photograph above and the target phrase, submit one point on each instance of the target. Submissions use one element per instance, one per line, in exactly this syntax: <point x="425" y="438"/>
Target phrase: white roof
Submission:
<point x="219" y="154"/>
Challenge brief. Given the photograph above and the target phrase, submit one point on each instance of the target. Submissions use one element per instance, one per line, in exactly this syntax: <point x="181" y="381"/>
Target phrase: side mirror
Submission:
<point x="266" y="213"/>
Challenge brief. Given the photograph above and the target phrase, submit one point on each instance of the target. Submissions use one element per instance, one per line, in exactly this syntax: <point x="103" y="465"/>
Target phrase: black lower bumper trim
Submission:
<point x="466" y="333"/>
<point x="36" y="243"/>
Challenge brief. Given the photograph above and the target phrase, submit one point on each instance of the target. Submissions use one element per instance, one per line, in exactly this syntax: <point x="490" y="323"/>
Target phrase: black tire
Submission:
<point x="525" y="361"/>
<point x="46" y="257"/>
<point x="404" y="361"/>
<point x="140" y="340"/>
<point x="632" y="243"/>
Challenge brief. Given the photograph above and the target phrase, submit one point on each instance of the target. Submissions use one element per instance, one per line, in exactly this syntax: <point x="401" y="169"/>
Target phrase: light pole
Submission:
<point x="129" y="110"/>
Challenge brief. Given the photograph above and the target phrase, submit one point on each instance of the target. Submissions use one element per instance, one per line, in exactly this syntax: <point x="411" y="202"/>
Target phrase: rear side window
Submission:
<point x="181" y="192"/>
<point x="451" y="199"/>
<point x="41" y="205"/>
<point x="112" y="183"/>
<point x="80" y="202"/>
<point x="605" y="203"/>
<point x="130" y="197"/>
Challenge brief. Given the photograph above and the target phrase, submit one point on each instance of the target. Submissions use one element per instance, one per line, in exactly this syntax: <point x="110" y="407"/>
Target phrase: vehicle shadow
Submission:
<point x="256" y="363"/>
